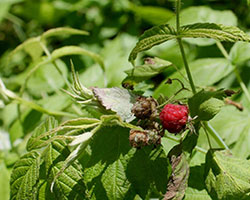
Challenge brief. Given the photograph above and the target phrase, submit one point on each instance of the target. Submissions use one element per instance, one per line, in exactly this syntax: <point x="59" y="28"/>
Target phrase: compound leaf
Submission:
<point x="69" y="185"/>
<point x="35" y="141"/>
<point x="24" y="177"/>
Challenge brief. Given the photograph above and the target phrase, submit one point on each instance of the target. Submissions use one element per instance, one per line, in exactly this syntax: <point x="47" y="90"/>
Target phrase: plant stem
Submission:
<point x="189" y="75"/>
<point x="209" y="128"/>
<point x="178" y="9"/>
<point x="236" y="71"/>
<point x="215" y="135"/>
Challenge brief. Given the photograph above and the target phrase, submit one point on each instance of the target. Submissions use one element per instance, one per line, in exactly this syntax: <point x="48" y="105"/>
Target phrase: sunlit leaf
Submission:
<point x="227" y="177"/>
<point x="116" y="99"/>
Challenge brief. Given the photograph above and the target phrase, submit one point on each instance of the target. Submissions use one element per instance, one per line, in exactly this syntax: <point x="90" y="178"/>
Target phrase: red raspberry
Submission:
<point x="174" y="117"/>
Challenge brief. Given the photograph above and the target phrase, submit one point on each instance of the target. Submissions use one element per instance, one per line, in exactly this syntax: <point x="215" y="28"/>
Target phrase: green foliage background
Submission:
<point x="114" y="27"/>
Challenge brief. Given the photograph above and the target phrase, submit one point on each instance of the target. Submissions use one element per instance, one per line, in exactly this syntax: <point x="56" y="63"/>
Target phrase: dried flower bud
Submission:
<point x="145" y="108"/>
<point x="143" y="138"/>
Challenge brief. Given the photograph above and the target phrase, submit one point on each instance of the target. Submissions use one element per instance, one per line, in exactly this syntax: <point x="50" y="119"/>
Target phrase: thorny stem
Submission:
<point x="236" y="71"/>
<point x="209" y="128"/>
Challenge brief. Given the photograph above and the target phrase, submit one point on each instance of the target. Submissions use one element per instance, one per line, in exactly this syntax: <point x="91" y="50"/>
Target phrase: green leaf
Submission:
<point x="152" y="37"/>
<point x="114" y="170"/>
<point x="214" y="31"/>
<point x="209" y="108"/>
<point x="152" y="14"/>
<point x="180" y="172"/>
<point x="215" y="69"/>
<point x="105" y="169"/>
<point x="116" y="99"/>
<point x="62" y="31"/>
<point x="5" y="6"/>
<point x="35" y="141"/>
<point x="234" y="128"/>
<point x="69" y="185"/>
<point x="151" y="68"/>
<point x="160" y="34"/>
<point x="47" y="79"/>
<point x="149" y="169"/>
<point x="207" y="71"/>
<point x="204" y="14"/>
<point x="239" y="53"/>
<point x="206" y="104"/>
<point x="24" y="177"/>
<point x="227" y="177"/>
<point x="4" y="180"/>
<point x="31" y="46"/>
<point x="196" y="183"/>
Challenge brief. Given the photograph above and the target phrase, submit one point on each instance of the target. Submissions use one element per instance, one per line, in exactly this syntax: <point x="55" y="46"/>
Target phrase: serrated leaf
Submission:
<point x="152" y="37"/>
<point x="227" y="177"/>
<point x="116" y="99"/>
<point x="215" y="31"/>
<point x="62" y="31"/>
<point x="206" y="104"/>
<point x="35" y="142"/>
<point x="163" y="33"/>
<point x="180" y="172"/>
<point x="69" y="185"/>
<point x="151" y="68"/>
<point x="105" y="169"/>
<point x="115" y="170"/>
<point x="24" y="177"/>
<point x="149" y="169"/>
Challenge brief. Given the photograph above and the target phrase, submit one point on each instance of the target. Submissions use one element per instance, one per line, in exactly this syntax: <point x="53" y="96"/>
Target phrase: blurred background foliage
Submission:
<point x="114" y="27"/>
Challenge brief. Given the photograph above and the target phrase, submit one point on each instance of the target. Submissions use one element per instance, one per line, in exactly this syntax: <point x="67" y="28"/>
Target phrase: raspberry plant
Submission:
<point x="118" y="143"/>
